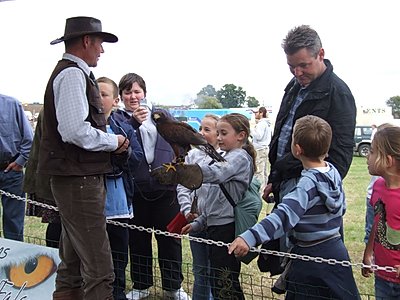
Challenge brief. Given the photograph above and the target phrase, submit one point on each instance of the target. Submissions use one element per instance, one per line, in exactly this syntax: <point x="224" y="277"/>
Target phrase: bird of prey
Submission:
<point x="181" y="136"/>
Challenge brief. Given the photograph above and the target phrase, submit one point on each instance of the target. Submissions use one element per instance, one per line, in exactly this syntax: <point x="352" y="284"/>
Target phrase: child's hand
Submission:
<point x="267" y="191"/>
<point x="367" y="260"/>
<point x="186" y="229"/>
<point x="191" y="216"/>
<point x="398" y="270"/>
<point x="239" y="247"/>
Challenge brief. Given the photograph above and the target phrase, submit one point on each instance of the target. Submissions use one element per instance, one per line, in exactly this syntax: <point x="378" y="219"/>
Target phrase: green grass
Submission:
<point x="355" y="186"/>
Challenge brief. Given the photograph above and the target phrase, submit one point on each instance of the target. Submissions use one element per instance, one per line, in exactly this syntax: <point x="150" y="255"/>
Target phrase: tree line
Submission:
<point x="394" y="103"/>
<point x="232" y="96"/>
<point x="229" y="96"/>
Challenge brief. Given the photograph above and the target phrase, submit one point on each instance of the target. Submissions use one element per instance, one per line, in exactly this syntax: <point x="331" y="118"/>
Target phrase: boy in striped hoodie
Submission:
<point x="312" y="214"/>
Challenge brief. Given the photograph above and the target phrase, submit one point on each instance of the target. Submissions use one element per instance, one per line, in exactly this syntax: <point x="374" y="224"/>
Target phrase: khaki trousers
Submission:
<point x="262" y="167"/>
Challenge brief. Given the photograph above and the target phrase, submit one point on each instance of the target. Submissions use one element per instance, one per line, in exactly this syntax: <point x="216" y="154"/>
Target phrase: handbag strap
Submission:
<point x="227" y="195"/>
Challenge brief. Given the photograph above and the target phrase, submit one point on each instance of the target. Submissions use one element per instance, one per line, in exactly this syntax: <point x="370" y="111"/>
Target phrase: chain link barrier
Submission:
<point x="329" y="261"/>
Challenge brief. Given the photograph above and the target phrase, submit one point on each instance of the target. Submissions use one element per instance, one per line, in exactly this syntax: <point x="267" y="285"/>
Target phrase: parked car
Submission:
<point x="362" y="140"/>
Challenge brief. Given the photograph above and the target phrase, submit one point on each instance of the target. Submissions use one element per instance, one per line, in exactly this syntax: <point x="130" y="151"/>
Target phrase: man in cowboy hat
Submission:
<point x="75" y="151"/>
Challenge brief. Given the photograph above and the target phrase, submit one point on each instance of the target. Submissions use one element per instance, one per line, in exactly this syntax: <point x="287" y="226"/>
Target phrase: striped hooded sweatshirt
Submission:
<point x="312" y="211"/>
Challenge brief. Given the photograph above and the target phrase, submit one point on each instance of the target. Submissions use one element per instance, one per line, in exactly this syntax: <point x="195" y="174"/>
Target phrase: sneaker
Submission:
<point x="137" y="294"/>
<point x="177" y="295"/>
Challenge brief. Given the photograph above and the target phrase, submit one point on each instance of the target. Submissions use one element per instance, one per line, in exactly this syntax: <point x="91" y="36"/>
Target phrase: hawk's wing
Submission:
<point x="180" y="133"/>
<point x="181" y="136"/>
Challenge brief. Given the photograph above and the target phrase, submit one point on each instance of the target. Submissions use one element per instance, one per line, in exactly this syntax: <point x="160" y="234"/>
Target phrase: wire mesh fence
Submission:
<point x="255" y="284"/>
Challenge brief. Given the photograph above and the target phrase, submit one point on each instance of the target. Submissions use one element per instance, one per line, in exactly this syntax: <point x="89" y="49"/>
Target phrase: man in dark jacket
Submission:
<point x="314" y="90"/>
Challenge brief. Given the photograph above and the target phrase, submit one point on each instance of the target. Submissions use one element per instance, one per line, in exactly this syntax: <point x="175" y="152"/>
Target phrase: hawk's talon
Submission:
<point x="180" y="160"/>
<point x="168" y="167"/>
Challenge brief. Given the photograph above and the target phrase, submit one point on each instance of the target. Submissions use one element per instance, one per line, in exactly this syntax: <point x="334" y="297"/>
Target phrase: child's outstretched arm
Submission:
<point x="369" y="254"/>
<point x="238" y="247"/>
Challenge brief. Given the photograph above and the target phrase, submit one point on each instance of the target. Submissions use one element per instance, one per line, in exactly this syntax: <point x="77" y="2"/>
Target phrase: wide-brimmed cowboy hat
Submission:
<point x="79" y="26"/>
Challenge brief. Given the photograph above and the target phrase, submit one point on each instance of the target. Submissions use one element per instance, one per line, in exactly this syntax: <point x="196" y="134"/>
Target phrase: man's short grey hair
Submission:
<point x="302" y="37"/>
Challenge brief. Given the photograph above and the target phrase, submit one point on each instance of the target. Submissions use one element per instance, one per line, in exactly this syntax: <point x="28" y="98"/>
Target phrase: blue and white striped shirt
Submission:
<point x="286" y="130"/>
<point x="312" y="211"/>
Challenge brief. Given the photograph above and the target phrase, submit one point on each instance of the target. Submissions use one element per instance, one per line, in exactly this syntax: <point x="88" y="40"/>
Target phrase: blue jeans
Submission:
<point x="201" y="268"/>
<point x="369" y="214"/>
<point x="311" y="280"/>
<point x="13" y="210"/>
<point x="386" y="290"/>
<point x="369" y="219"/>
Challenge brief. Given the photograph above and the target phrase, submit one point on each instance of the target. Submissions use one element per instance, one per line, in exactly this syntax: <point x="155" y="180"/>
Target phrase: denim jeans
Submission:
<point x="201" y="268"/>
<point x="369" y="214"/>
<point x="13" y="210"/>
<point x="311" y="280"/>
<point x="386" y="290"/>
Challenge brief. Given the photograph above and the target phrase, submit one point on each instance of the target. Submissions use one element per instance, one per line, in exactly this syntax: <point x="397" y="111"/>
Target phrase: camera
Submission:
<point x="143" y="102"/>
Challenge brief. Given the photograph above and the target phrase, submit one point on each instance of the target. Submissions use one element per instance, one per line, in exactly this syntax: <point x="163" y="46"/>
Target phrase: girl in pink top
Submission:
<point x="383" y="247"/>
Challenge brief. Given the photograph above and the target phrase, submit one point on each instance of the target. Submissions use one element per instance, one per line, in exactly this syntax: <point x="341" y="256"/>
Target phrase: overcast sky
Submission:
<point x="180" y="46"/>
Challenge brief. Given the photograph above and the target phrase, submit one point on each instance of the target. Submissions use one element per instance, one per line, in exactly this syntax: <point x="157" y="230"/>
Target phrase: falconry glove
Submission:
<point x="188" y="175"/>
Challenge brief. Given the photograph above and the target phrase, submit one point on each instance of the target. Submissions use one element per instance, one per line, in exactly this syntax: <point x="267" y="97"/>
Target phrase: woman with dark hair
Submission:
<point x="155" y="205"/>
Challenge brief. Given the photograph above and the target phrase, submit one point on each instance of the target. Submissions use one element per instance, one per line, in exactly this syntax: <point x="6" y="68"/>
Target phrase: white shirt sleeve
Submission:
<point x="259" y="130"/>
<point x="262" y="133"/>
<point x="72" y="109"/>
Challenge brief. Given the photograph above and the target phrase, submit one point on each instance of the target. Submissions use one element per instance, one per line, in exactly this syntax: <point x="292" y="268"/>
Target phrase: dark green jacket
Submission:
<point x="34" y="183"/>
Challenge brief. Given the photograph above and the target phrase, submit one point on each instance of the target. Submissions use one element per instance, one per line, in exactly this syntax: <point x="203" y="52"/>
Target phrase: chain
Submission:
<point x="27" y="200"/>
<point x="329" y="261"/>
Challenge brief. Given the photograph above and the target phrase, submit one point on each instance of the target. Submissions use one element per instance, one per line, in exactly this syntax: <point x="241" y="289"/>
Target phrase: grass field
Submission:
<point x="355" y="188"/>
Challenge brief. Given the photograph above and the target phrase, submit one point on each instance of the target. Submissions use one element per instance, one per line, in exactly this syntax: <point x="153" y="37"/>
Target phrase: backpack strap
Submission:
<point x="227" y="195"/>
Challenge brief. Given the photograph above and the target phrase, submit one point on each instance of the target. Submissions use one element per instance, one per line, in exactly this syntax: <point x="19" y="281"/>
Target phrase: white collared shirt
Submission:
<point x="72" y="110"/>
